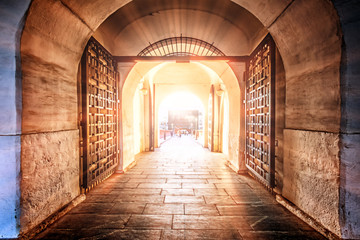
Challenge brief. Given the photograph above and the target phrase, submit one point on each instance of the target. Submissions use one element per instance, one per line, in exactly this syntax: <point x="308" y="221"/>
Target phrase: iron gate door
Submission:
<point x="99" y="114"/>
<point x="260" y="109"/>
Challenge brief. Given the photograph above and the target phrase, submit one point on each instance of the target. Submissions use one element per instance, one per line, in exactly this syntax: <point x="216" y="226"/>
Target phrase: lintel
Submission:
<point x="180" y="59"/>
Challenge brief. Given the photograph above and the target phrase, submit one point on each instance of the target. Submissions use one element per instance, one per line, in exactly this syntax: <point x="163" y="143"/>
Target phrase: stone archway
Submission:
<point x="51" y="46"/>
<point x="50" y="54"/>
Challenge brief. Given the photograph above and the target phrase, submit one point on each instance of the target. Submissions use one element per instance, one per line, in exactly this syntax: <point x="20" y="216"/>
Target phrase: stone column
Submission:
<point x="124" y="69"/>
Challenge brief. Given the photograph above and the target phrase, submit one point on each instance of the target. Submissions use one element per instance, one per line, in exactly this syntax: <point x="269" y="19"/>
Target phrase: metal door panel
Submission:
<point x="260" y="106"/>
<point x="99" y="114"/>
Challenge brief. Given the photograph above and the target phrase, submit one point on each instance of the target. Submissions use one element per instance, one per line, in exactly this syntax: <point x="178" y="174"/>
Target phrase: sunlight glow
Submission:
<point x="182" y="101"/>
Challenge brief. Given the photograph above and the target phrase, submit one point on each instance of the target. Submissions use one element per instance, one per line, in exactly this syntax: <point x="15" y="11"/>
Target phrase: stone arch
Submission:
<point x="53" y="41"/>
<point x="145" y="73"/>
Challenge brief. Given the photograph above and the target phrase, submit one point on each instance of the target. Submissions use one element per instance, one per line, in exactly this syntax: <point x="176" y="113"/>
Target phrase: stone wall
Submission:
<point x="311" y="174"/>
<point x="49" y="174"/>
<point x="308" y="37"/>
<point x="50" y="55"/>
<point x="350" y="119"/>
<point x="11" y="25"/>
<point x="280" y="94"/>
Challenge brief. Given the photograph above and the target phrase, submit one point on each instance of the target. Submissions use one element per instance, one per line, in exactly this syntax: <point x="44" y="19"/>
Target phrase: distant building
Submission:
<point x="189" y="119"/>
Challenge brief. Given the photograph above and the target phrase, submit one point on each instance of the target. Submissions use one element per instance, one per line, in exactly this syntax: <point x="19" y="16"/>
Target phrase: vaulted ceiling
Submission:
<point x="228" y="26"/>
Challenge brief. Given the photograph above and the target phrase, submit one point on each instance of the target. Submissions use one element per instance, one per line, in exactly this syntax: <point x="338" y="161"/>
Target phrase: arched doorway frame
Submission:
<point x="220" y="73"/>
<point x="275" y="24"/>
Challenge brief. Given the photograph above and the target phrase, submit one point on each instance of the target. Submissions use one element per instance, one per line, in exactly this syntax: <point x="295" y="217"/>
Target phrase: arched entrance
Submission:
<point x="180" y="112"/>
<point x="49" y="91"/>
<point x="158" y="80"/>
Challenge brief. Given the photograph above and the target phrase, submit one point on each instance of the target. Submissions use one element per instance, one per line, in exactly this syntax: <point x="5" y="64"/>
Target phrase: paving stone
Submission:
<point x="117" y="178"/>
<point x="219" y="200"/>
<point x="187" y="180"/>
<point x="92" y="208"/>
<point x="160" y="185"/>
<point x="134" y="172"/>
<point x="273" y="210"/>
<point x="198" y="185"/>
<point x="240" y="210"/>
<point x="165" y="208"/>
<point x="147" y="180"/>
<point x="147" y="191"/>
<point x="150" y="222"/>
<point x="140" y="199"/>
<point x="266" y="223"/>
<point x="225" y="180"/>
<point x="201" y="209"/>
<point x="178" y="192"/>
<point x="168" y="176"/>
<point x="100" y="198"/>
<point x="125" y="185"/>
<point x="155" y="172"/>
<point x="201" y="176"/>
<point x="242" y="199"/>
<point x="86" y="221"/>
<point x="75" y="234"/>
<point x="209" y="191"/>
<point x="126" y="208"/>
<point x="201" y="234"/>
<point x="232" y="185"/>
<point x="132" y="234"/>
<point x="191" y="173"/>
<point x="209" y="222"/>
<point x="136" y="176"/>
<point x="102" y="190"/>
<point x="240" y="191"/>
<point x="184" y="199"/>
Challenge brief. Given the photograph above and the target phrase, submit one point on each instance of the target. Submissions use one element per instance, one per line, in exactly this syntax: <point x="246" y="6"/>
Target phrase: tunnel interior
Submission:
<point x="297" y="45"/>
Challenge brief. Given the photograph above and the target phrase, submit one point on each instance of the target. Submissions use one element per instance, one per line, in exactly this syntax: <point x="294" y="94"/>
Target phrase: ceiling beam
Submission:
<point x="180" y="59"/>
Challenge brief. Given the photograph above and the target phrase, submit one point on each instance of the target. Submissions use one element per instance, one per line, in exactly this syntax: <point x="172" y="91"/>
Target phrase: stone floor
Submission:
<point x="180" y="191"/>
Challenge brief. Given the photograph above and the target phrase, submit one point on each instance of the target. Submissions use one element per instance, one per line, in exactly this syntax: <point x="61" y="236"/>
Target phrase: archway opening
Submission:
<point x="298" y="60"/>
<point x="181" y="113"/>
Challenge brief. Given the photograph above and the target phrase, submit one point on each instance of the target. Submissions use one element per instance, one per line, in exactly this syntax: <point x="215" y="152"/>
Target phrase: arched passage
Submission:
<point x="167" y="78"/>
<point x="177" y="111"/>
<point x="301" y="43"/>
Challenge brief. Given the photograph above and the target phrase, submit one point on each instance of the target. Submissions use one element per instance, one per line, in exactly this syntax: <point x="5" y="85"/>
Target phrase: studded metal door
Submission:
<point x="260" y="89"/>
<point x="99" y="114"/>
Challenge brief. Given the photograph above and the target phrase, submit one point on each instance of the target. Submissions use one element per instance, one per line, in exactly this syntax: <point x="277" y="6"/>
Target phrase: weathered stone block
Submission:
<point x="313" y="101"/>
<point x="265" y="11"/>
<point x="94" y="13"/>
<point x="53" y="19"/>
<point x="308" y="37"/>
<point x="311" y="174"/>
<point x="49" y="86"/>
<point x="311" y="60"/>
<point x="349" y="186"/>
<point x="50" y="174"/>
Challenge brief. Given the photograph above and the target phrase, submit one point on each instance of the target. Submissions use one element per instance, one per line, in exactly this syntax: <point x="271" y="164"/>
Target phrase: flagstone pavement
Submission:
<point x="180" y="191"/>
